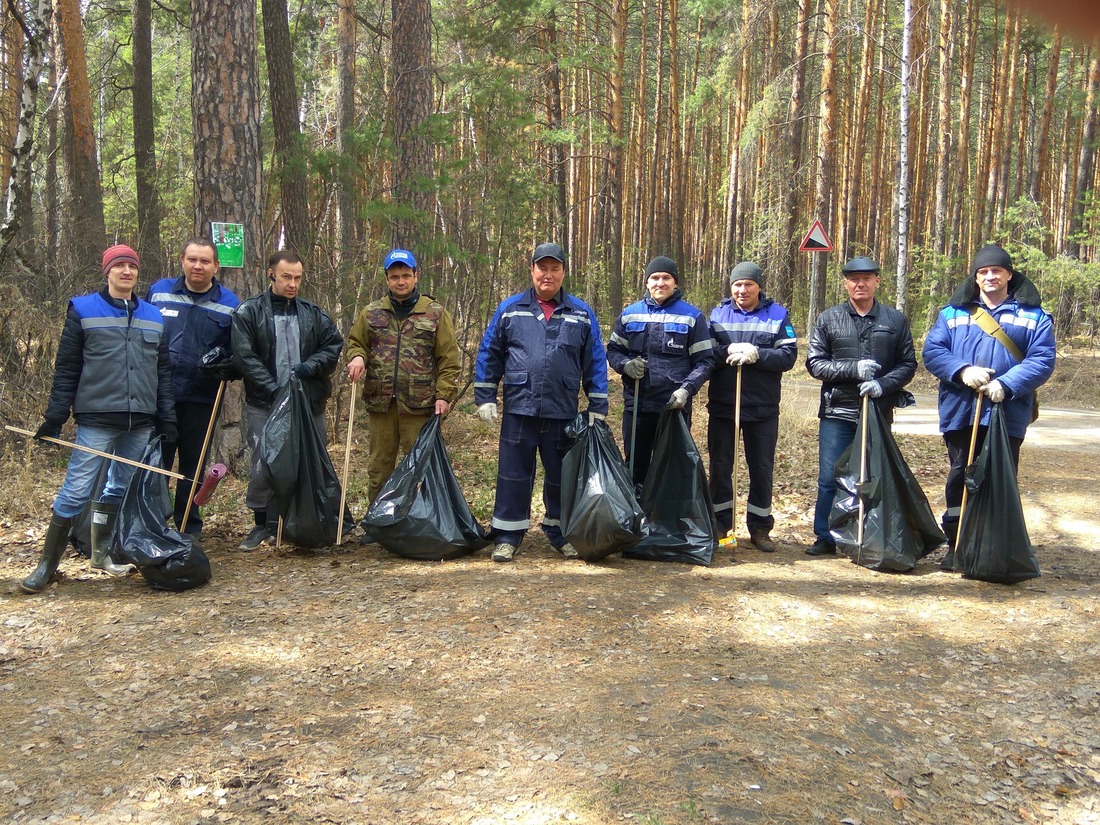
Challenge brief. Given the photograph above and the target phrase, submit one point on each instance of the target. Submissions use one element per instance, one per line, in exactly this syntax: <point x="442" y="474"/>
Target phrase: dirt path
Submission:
<point x="352" y="686"/>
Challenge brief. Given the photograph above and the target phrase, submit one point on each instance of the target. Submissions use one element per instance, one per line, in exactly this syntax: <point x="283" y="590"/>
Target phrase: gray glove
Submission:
<point x="866" y="369"/>
<point x="488" y="412"/>
<point x="871" y="388"/>
<point x="635" y="368"/>
<point x="593" y="417"/>
<point x="975" y="377"/>
<point x="678" y="400"/>
<point x="995" y="390"/>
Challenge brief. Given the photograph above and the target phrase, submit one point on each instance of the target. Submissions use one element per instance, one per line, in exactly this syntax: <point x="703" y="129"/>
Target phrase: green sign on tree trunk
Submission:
<point x="229" y="238"/>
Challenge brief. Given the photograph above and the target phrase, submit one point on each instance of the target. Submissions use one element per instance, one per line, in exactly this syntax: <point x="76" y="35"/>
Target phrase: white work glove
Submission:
<point x="593" y="417"/>
<point x="871" y="388"/>
<point x="488" y="412"/>
<point x="995" y="390"/>
<point x="742" y="354"/>
<point x="678" y="400"/>
<point x="975" y="377"/>
<point x="635" y="368"/>
<point x="866" y="369"/>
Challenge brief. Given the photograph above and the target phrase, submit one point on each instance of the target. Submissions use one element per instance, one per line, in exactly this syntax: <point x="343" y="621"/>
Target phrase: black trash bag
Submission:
<point x="420" y="512"/>
<point x="676" y="499"/>
<point x="898" y="525"/>
<point x="295" y="461"/>
<point x="993" y="543"/>
<point x="600" y="513"/>
<point x="166" y="559"/>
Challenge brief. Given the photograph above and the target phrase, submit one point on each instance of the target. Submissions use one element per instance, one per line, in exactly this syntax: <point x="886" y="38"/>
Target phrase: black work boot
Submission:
<point x="57" y="537"/>
<point x="103" y="524"/>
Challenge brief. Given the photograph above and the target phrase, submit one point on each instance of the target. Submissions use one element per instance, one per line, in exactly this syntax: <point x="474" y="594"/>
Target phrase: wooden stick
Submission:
<point x="99" y="453"/>
<point x="736" y="450"/>
<point x="202" y="453"/>
<point x="862" y="477"/>
<point x="634" y="425"/>
<point x="279" y="534"/>
<point x="969" y="461"/>
<point x="347" y="461"/>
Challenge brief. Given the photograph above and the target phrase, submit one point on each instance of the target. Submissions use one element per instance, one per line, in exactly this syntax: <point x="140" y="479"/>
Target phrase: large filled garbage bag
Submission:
<point x="166" y="559"/>
<point x="600" y="513"/>
<point x="296" y="464"/>
<point x="420" y="512"/>
<point x="676" y="499"/>
<point x="993" y="543"/>
<point x="898" y="525"/>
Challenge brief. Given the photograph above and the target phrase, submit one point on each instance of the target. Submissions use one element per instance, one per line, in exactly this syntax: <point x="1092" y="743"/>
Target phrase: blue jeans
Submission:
<point x="833" y="438"/>
<point x="77" y="490"/>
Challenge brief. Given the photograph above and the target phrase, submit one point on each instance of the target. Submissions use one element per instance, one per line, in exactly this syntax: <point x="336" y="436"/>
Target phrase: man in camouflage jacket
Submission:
<point x="404" y="349"/>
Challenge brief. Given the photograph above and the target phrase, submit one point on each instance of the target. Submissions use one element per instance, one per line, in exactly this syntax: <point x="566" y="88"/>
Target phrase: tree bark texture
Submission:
<point x="225" y="108"/>
<point x="147" y="242"/>
<point x="413" y="103"/>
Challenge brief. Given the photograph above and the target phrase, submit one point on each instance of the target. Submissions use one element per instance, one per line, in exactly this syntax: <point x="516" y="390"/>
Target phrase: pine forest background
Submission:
<point x="709" y="130"/>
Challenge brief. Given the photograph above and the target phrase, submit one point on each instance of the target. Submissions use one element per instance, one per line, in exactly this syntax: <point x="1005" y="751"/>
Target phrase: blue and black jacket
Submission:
<point x="674" y="338"/>
<point x="544" y="364"/>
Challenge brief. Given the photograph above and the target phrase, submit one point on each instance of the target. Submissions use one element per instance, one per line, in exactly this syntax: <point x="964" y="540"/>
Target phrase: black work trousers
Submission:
<point x="192" y="419"/>
<point x="759" y="439"/>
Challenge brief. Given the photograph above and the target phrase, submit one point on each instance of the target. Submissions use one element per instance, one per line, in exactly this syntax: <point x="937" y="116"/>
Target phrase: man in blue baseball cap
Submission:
<point x="403" y="348"/>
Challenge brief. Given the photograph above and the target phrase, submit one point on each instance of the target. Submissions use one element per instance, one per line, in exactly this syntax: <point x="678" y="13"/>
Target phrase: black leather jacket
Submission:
<point x="253" y="339"/>
<point x="840" y="338"/>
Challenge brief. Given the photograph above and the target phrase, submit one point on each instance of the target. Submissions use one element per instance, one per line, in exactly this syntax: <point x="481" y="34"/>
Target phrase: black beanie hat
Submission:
<point x="991" y="255"/>
<point x="747" y="271"/>
<point x="663" y="264"/>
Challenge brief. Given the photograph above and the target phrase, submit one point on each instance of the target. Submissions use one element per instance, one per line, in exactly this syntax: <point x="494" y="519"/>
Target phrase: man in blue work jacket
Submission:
<point x="545" y="345"/>
<point x="198" y="314"/>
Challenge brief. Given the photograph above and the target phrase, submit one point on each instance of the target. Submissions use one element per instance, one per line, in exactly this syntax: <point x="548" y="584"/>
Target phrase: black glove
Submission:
<point x="168" y="431"/>
<point x="218" y="364"/>
<point x="304" y="370"/>
<point x="49" y="429"/>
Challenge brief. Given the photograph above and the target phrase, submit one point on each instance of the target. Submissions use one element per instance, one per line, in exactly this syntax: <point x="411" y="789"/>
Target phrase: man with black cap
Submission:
<point x="754" y="334"/>
<point x="994" y="339"/>
<point x="545" y="345"/>
<point x="661" y="346"/>
<point x="856" y="349"/>
<point x="404" y="348"/>
<point x="113" y="372"/>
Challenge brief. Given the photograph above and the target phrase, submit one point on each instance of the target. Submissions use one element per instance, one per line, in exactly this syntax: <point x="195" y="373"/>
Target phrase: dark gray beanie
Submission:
<point x="663" y="264"/>
<point x="747" y="271"/>
<point x="991" y="255"/>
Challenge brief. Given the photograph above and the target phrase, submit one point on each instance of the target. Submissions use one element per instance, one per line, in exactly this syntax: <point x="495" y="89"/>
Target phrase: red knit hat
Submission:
<point x="117" y="254"/>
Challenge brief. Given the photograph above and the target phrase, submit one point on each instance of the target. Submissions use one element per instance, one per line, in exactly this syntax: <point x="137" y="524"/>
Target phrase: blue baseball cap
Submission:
<point x="399" y="256"/>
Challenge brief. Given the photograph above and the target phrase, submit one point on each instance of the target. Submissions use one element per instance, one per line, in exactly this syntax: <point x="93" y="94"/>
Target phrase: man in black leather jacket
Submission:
<point x="858" y="348"/>
<point x="274" y="335"/>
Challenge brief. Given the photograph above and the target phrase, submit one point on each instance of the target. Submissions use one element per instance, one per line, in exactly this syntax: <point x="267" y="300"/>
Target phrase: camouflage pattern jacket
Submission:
<point x="413" y="361"/>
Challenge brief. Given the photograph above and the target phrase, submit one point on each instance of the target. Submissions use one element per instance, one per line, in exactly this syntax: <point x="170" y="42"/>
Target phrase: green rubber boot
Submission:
<point x="57" y="537"/>
<point x="103" y="524"/>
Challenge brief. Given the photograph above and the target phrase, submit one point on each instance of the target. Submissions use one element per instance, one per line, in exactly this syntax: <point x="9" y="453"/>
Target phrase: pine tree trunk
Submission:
<point x="148" y="243"/>
<point x="225" y="114"/>
<point x="84" y="230"/>
<point x="290" y="171"/>
<point x="1039" y="165"/>
<point x="346" y="190"/>
<point x="413" y="102"/>
<point x="826" y="140"/>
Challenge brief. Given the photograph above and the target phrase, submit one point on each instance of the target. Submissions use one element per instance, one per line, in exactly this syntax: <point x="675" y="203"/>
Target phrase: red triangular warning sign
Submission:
<point x="816" y="240"/>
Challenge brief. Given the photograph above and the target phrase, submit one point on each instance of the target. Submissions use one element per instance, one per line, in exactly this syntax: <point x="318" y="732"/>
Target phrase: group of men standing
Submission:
<point x="126" y="367"/>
